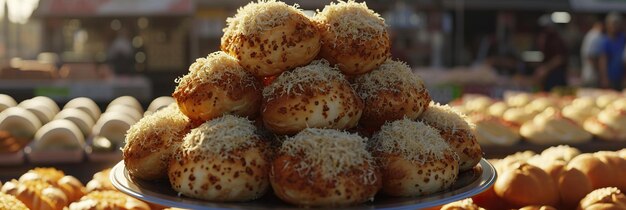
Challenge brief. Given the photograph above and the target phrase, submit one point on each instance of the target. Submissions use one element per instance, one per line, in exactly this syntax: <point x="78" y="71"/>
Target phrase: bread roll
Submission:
<point x="563" y="153"/>
<point x="217" y="85"/>
<point x="353" y="37"/>
<point x="573" y="185"/>
<point x="497" y="109"/>
<point x="605" y="199"/>
<point x="151" y="142"/>
<point x="221" y="160"/>
<point x="324" y="167"/>
<point x="159" y="103"/>
<point x="59" y="135"/>
<point x="493" y="131"/>
<point x="6" y="101"/>
<point x="71" y="187"/>
<point x="540" y="104"/>
<point x="87" y="105"/>
<point x="100" y="181"/>
<point x="465" y="204"/>
<point x="313" y="96"/>
<point x="538" y="208"/>
<point x="19" y="122"/>
<point x="604" y="100"/>
<point x="108" y="199"/>
<point x="391" y="92"/>
<point x="79" y="117"/>
<point x="113" y="126"/>
<point x="36" y="194"/>
<point x="518" y="116"/>
<point x="550" y="166"/>
<point x="10" y="202"/>
<point x="415" y="160"/>
<point x="524" y="185"/>
<point x="599" y="173"/>
<point x="457" y="131"/>
<point x="518" y="100"/>
<point x="128" y="101"/>
<point x="550" y="127"/>
<point x="478" y="104"/>
<point x="269" y="37"/>
<point x="608" y="125"/>
<point x="617" y="164"/>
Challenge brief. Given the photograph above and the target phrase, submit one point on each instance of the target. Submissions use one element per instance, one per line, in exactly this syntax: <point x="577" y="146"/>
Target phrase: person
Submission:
<point x="552" y="72"/>
<point x="120" y="53"/>
<point x="590" y="51"/>
<point x="611" y="60"/>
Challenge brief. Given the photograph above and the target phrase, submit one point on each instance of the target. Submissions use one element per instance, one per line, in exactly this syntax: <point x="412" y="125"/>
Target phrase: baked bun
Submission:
<point x="465" y="204"/>
<point x="79" y="117"/>
<point x="551" y="167"/>
<point x="36" y="194"/>
<point x="573" y="185"/>
<point x="113" y="126"/>
<point x="315" y="96"/>
<point x="324" y="167"/>
<point x="108" y="200"/>
<point x="602" y="101"/>
<point x="598" y="170"/>
<point x="497" y="109"/>
<point x="617" y="163"/>
<point x="353" y="37"/>
<point x="618" y="104"/>
<point x="10" y="143"/>
<point x="10" y="202"/>
<point x="457" y="131"/>
<point x="217" y="85"/>
<point x="517" y="116"/>
<point x="100" y="181"/>
<point x="608" y="125"/>
<point x="221" y="160"/>
<point x="6" y="101"/>
<point x="71" y="187"/>
<point x="87" y="105"/>
<point x="391" y="92"/>
<point x="477" y="104"/>
<point x="540" y="104"/>
<point x="160" y="103"/>
<point x="125" y="110"/>
<point x="605" y="199"/>
<point x="269" y="37"/>
<point x="151" y="142"/>
<point x="128" y="101"/>
<point x="415" y="160"/>
<point x="19" y="122"/>
<point x="550" y="127"/>
<point x="494" y="131"/>
<point x="579" y="113"/>
<point x="59" y="135"/>
<point x="518" y="99"/>
<point x="39" y="109"/>
<point x="537" y="208"/>
<point x="563" y="153"/>
<point x="523" y="184"/>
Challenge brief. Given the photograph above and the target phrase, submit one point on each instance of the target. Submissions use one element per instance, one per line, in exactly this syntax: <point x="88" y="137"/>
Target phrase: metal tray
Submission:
<point x="469" y="183"/>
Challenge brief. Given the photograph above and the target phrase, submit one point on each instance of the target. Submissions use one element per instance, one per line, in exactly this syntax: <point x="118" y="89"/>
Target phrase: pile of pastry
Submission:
<point x="49" y="188"/>
<point x="560" y="177"/>
<point x="311" y="107"/>
<point x="546" y="119"/>
<point x="50" y="128"/>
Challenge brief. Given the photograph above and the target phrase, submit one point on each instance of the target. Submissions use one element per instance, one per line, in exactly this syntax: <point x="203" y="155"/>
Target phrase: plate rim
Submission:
<point x="484" y="182"/>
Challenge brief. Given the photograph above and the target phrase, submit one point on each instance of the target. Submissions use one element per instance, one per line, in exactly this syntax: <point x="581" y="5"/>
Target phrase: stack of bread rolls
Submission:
<point x="288" y="104"/>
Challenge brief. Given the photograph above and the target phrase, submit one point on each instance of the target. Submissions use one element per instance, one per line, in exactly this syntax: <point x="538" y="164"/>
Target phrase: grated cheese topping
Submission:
<point x="332" y="151"/>
<point x="164" y="123"/>
<point x="392" y="75"/>
<point x="220" y="136"/>
<point x="350" y="19"/>
<point x="318" y="75"/>
<point x="414" y="141"/>
<point x="217" y="66"/>
<point x="259" y="16"/>
<point x="443" y="116"/>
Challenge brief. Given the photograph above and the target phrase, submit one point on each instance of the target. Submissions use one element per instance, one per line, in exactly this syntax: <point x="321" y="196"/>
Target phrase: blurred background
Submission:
<point x="107" y="48"/>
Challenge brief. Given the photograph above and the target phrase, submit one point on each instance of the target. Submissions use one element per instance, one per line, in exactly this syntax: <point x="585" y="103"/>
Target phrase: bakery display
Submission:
<point x="314" y="96"/>
<point x="221" y="160"/>
<point x="217" y="85"/>
<point x="324" y="167"/>
<point x="390" y="92"/>
<point x="108" y="199"/>
<point x="151" y="142"/>
<point x="456" y="131"/>
<point x="414" y="159"/>
<point x="269" y="37"/>
<point x="353" y="37"/>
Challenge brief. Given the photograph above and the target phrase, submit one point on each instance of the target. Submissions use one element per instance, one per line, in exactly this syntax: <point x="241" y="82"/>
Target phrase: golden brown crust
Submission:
<point x="464" y="143"/>
<point x="411" y="178"/>
<point x="388" y="106"/>
<point x="525" y="185"/>
<point x="240" y="176"/>
<point x="108" y="199"/>
<point x="599" y="173"/>
<point x="346" y="188"/>
<point x="100" y="181"/>
<point x="10" y="202"/>
<point x="539" y="207"/>
<point x="573" y="185"/>
<point x="465" y="204"/>
<point x="338" y="108"/>
<point x="609" y="198"/>
<point x="294" y="43"/>
<point x="36" y="194"/>
<point x="355" y="56"/>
